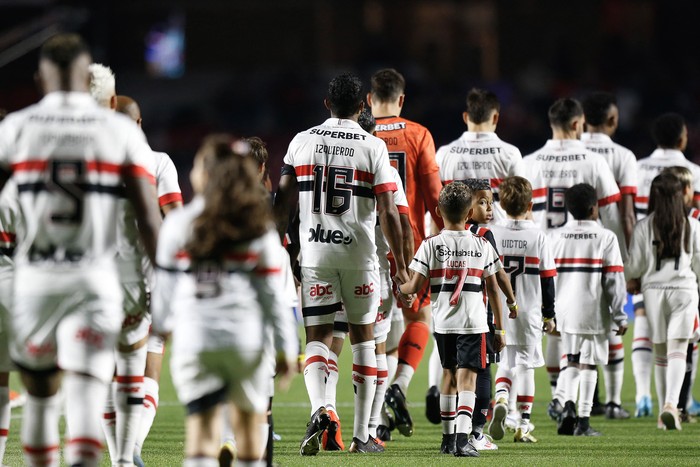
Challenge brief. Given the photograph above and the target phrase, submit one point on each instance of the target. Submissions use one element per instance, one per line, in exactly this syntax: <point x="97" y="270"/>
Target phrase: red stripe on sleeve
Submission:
<point x="641" y="199"/>
<point x="402" y="209"/>
<point x="391" y="186"/>
<point x="628" y="190"/>
<point x="609" y="199"/>
<point x="613" y="269"/>
<point x="170" y="198"/>
<point x="139" y="172"/>
<point x="548" y="273"/>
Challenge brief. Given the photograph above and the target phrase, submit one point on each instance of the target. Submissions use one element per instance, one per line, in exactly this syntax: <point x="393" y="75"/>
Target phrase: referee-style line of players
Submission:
<point x="81" y="227"/>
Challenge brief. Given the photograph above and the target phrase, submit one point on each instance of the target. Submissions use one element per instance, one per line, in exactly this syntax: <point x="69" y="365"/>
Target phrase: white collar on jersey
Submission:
<point x="673" y="154"/>
<point x="564" y="144"/>
<point x="586" y="223"/>
<point x="598" y="137"/>
<point x="342" y="123"/>
<point x="59" y="98"/>
<point x="479" y="135"/>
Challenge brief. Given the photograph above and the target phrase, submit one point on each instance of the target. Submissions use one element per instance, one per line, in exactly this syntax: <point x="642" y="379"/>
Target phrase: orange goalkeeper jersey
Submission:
<point x="412" y="153"/>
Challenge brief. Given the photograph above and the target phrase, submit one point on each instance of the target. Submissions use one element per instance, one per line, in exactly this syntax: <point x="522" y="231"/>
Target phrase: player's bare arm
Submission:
<point x="504" y="284"/>
<point x="629" y="218"/>
<point x="492" y="287"/>
<point x="144" y="199"/>
<point x="413" y="285"/>
<point x="407" y="233"/>
<point x="391" y="227"/>
<point x="430" y="185"/>
<point x="286" y="192"/>
<point x="165" y="209"/>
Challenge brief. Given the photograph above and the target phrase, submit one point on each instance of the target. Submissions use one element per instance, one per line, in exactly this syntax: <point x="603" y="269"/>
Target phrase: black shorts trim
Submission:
<point x="33" y="371"/>
<point x="341" y="326"/>
<point x="207" y="402"/>
<point x="320" y="310"/>
<point x="462" y="351"/>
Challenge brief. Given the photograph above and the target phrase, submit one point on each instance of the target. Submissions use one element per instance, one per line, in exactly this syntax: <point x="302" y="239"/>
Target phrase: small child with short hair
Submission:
<point x="528" y="261"/>
<point x="590" y="300"/>
<point x="455" y="261"/>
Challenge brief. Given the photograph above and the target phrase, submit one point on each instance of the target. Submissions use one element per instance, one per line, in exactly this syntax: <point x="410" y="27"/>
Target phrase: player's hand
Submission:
<point x="401" y="277"/>
<point x="634" y="286"/>
<point x="499" y="342"/>
<point x="513" y="310"/>
<point x="284" y="368"/>
<point x="621" y="330"/>
<point x="549" y="326"/>
<point x="407" y="300"/>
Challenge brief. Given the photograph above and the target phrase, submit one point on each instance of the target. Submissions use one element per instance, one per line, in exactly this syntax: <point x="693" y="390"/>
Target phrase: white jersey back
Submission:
<point x="402" y="206"/>
<point x="649" y="167"/>
<point x="208" y="304"/>
<point x="9" y="226"/>
<point x="669" y="273"/>
<point x="339" y="168"/>
<point x="455" y="263"/>
<point x="481" y="155"/>
<point x="584" y="253"/>
<point x="526" y="258"/>
<point x="620" y="159"/>
<point x="167" y="183"/>
<point x="67" y="156"/>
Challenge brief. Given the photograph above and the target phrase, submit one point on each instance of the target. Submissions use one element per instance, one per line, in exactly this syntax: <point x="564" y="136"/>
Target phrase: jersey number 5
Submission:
<point x="67" y="178"/>
<point x="337" y="188"/>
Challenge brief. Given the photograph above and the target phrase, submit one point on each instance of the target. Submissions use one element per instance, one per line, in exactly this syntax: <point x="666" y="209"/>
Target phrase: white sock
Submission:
<point x="434" y="367"/>
<point x="465" y="408"/>
<point x="316" y="373"/>
<point x="375" y="418"/>
<point x="332" y="381"/>
<point x="39" y="430"/>
<point x="570" y="382"/>
<point x="264" y="433"/>
<point x="513" y="395"/>
<point x="504" y="382"/>
<point x="448" y="413"/>
<point x="614" y="371"/>
<point x="404" y="374"/>
<point x="201" y="462"/>
<point x="150" y="407"/>
<point x="525" y="382"/>
<point x="675" y="372"/>
<point x="560" y="391"/>
<point x="660" y="366"/>
<point x="364" y="378"/>
<point x="85" y="398"/>
<point x="247" y="463"/>
<point x="642" y="357"/>
<point x="4" y="420"/>
<point x="392" y="363"/>
<point x="109" y="422"/>
<point x="551" y="360"/>
<point x="693" y="372"/>
<point x="588" y="380"/>
<point x="129" y="398"/>
<point x="226" y="429"/>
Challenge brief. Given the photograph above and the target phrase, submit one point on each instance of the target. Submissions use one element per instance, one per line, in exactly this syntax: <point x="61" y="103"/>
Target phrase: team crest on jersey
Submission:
<point x="443" y="253"/>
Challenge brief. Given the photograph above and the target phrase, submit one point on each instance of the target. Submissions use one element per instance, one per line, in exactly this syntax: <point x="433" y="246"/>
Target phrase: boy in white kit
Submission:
<point x="528" y="261"/>
<point x="455" y="261"/>
<point x="590" y="302"/>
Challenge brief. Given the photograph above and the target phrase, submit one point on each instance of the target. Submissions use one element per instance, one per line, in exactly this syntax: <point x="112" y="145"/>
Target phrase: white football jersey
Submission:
<point x="620" y="159"/>
<point x="9" y="226"/>
<point x="561" y="164"/>
<point x="590" y="281"/>
<point x="68" y="156"/>
<point x="527" y="259"/>
<point x="642" y="263"/>
<point x="339" y="168"/>
<point x="402" y="206"/>
<point x="210" y="303"/>
<point x="649" y="167"/>
<point x="479" y="155"/>
<point x="167" y="183"/>
<point x="455" y="262"/>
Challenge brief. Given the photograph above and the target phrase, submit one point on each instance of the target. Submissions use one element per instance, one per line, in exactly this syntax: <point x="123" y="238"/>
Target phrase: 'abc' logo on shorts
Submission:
<point x="364" y="289"/>
<point x="318" y="290"/>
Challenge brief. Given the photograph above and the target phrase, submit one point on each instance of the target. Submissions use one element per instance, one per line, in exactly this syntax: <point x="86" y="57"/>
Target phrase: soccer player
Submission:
<point x="590" y="302"/>
<point x="169" y="198"/>
<point x="664" y="264"/>
<point x="561" y="163"/>
<point x="343" y="179"/>
<point x="602" y="116"/>
<point x="529" y="263"/>
<point x="219" y="288"/>
<point x="455" y="262"/>
<point x="479" y="152"/>
<point x="670" y="134"/>
<point x="412" y="153"/>
<point x="71" y="161"/>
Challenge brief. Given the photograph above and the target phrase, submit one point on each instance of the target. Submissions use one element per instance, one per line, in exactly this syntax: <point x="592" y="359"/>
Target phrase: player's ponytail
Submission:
<point x="670" y="223"/>
<point x="236" y="206"/>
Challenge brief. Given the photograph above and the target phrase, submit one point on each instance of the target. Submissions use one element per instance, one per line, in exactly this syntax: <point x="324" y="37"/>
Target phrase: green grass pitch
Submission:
<point x="624" y="442"/>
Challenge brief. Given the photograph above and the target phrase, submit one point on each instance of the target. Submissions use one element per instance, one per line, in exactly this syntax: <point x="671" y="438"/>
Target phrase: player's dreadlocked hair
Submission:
<point x="367" y="121"/>
<point x="596" y="107"/>
<point x="345" y="95"/>
<point x="481" y="104"/>
<point x="236" y="206"/>
<point x="454" y="201"/>
<point x="670" y="222"/>
<point x="478" y="184"/>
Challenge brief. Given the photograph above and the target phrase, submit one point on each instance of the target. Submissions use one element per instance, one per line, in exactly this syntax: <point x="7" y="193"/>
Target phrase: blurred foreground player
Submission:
<point x="67" y="309"/>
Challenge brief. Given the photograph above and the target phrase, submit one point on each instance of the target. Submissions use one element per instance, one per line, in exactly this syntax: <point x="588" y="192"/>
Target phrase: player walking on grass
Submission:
<point x="412" y="153"/>
<point x="590" y="302"/>
<point x="219" y="288"/>
<point x="342" y="176"/>
<point x="455" y="262"/>
<point x="526" y="257"/>
<point x="71" y="161"/>
<point x="664" y="264"/>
